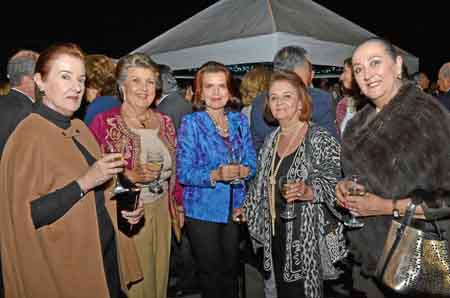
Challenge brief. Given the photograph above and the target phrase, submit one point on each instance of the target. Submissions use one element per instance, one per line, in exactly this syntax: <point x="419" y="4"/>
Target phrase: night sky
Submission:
<point x="417" y="28"/>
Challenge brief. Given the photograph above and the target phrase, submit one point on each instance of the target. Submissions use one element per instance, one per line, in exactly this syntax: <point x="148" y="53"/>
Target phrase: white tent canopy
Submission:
<point x="252" y="31"/>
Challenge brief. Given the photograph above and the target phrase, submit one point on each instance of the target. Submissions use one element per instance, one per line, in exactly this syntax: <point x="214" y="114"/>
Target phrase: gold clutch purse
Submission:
<point x="415" y="262"/>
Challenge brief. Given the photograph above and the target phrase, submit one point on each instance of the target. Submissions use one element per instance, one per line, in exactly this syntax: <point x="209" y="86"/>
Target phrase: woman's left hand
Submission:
<point x="133" y="217"/>
<point x="367" y="205"/>
<point x="298" y="191"/>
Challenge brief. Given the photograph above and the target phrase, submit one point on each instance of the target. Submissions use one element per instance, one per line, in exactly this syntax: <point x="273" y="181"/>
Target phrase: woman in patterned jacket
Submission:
<point x="299" y="249"/>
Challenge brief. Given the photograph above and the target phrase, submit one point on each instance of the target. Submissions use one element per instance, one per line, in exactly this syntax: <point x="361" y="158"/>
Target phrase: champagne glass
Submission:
<point x="119" y="148"/>
<point x="154" y="161"/>
<point x="354" y="187"/>
<point x="235" y="159"/>
<point x="289" y="210"/>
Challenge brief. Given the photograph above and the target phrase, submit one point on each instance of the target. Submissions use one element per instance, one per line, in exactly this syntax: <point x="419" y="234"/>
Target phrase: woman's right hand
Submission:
<point x="343" y="194"/>
<point x="226" y="173"/>
<point x="101" y="171"/>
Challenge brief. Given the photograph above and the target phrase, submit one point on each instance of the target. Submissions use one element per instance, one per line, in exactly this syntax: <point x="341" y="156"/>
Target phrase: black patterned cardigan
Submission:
<point x="306" y="256"/>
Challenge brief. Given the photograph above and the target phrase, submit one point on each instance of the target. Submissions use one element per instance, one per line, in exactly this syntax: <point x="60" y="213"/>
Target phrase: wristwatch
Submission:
<point x="395" y="211"/>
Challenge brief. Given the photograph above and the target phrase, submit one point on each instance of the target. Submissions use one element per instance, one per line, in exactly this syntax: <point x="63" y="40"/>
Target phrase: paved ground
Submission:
<point x="253" y="283"/>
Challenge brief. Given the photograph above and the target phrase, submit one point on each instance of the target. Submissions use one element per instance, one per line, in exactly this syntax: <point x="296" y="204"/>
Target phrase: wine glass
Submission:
<point x="235" y="159"/>
<point x="354" y="187"/>
<point x="289" y="210"/>
<point x="119" y="148"/>
<point x="154" y="161"/>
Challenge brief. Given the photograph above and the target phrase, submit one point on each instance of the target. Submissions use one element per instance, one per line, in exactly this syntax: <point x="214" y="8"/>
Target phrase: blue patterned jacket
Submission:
<point x="200" y="150"/>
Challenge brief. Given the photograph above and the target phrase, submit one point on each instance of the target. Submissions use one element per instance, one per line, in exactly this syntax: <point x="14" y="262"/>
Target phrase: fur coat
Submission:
<point x="398" y="151"/>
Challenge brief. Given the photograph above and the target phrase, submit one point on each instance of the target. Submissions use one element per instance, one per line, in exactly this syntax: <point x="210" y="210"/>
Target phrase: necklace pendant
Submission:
<point x="272" y="180"/>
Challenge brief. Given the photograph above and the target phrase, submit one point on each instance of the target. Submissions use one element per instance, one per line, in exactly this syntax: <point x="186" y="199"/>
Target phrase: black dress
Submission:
<point x="284" y="289"/>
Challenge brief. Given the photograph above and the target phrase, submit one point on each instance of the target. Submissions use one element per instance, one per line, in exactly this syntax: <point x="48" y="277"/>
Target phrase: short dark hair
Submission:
<point x="20" y="65"/>
<point x="288" y="58"/>
<point x="294" y="80"/>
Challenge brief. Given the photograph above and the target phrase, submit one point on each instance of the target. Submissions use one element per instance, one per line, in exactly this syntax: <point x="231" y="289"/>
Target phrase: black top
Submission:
<point x="280" y="202"/>
<point x="49" y="208"/>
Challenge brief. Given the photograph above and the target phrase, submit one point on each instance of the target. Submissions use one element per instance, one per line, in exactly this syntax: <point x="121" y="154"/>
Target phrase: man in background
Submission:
<point x="422" y="81"/>
<point x="17" y="104"/>
<point x="294" y="58"/>
<point x="444" y="85"/>
<point x="172" y="103"/>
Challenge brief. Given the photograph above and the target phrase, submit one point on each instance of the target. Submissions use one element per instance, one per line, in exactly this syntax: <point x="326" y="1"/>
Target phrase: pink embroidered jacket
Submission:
<point x="109" y="128"/>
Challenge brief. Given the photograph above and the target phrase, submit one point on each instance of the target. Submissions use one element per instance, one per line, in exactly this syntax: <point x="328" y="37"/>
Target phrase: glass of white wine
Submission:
<point x="154" y="161"/>
<point x="119" y="147"/>
<point x="355" y="188"/>
<point x="289" y="210"/>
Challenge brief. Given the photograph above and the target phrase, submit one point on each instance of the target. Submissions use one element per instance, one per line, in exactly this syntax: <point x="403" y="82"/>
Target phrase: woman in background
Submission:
<point x="4" y="88"/>
<point x="101" y="92"/>
<point x="254" y="82"/>
<point x="352" y="100"/>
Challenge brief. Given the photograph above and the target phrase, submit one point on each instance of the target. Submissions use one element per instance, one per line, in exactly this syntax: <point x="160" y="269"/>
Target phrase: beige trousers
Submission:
<point x="153" y="247"/>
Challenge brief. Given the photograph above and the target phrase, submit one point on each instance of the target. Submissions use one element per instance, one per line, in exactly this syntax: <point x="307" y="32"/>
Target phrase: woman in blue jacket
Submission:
<point x="209" y="143"/>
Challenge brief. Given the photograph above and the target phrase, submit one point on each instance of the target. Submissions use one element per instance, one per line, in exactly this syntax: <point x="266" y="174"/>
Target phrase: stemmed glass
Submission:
<point x="354" y="187"/>
<point x="235" y="159"/>
<point x="154" y="161"/>
<point x="119" y="148"/>
<point x="289" y="210"/>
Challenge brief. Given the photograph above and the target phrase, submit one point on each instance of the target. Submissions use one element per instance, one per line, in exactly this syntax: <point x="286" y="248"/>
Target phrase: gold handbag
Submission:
<point x="415" y="262"/>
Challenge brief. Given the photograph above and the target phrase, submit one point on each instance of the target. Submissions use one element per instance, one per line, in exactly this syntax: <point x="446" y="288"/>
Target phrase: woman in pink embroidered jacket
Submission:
<point x="147" y="140"/>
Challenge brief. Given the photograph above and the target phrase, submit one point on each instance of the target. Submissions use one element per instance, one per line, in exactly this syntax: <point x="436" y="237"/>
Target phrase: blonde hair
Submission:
<point x="100" y="74"/>
<point x="253" y="83"/>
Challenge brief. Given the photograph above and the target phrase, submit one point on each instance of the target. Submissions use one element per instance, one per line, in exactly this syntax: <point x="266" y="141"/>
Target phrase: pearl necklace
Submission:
<point x="223" y="131"/>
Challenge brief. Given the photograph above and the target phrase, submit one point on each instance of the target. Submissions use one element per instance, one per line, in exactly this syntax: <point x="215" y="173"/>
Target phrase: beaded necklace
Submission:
<point x="223" y="131"/>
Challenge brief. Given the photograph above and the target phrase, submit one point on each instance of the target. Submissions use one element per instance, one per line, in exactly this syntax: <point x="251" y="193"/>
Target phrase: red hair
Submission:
<point x="210" y="67"/>
<point x="302" y="92"/>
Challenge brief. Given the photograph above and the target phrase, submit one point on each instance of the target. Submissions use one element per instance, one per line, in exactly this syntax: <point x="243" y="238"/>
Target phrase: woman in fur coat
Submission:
<point x="400" y="147"/>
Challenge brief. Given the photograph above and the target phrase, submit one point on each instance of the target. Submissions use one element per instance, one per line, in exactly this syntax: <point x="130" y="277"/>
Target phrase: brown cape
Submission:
<point x="62" y="259"/>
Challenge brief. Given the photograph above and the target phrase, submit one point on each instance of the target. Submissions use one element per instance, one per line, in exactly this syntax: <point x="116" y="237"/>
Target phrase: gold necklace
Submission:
<point x="140" y="122"/>
<point x="223" y="131"/>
